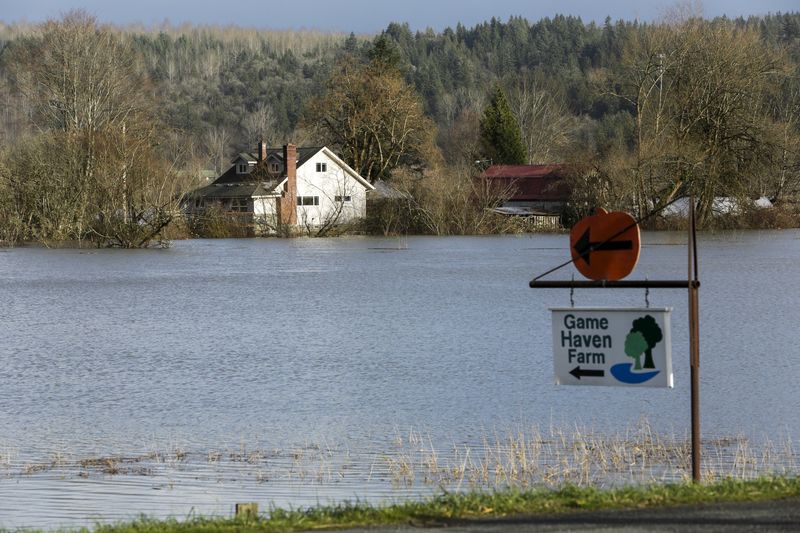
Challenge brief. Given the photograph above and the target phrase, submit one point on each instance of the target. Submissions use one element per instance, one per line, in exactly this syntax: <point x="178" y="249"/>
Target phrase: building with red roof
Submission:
<point x="536" y="191"/>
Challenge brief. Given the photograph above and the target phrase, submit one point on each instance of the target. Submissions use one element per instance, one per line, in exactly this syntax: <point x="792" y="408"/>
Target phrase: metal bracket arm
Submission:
<point x="621" y="284"/>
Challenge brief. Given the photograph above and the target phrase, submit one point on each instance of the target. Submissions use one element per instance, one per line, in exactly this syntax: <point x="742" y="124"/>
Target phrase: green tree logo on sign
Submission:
<point x="643" y="337"/>
<point x="635" y="345"/>
<point x="646" y="328"/>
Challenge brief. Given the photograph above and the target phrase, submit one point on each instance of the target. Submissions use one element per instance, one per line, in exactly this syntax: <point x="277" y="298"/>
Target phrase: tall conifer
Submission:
<point x="501" y="139"/>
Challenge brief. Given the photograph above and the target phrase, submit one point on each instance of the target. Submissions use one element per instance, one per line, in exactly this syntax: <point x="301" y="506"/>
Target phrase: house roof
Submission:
<point x="231" y="176"/>
<point x="529" y="182"/>
<point x="303" y="154"/>
<point x="384" y="191"/>
<point x="261" y="181"/>
<point x="522" y="211"/>
<point x="237" y="190"/>
<point x="522" y="171"/>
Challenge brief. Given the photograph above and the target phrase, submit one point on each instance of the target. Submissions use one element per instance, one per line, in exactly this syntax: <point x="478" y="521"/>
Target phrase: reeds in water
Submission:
<point x="413" y="462"/>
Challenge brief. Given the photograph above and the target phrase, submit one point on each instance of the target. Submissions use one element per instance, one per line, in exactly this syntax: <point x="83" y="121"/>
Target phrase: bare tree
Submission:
<point x="719" y="121"/>
<point x="461" y="141"/>
<point x="217" y="141"/>
<point x="699" y="92"/>
<point x="374" y="118"/>
<point x="785" y="179"/>
<point x="544" y="121"/>
<point x="96" y="171"/>
<point x="651" y="56"/>
<point x="260" y="124"/>
<point x="454" y="201"/>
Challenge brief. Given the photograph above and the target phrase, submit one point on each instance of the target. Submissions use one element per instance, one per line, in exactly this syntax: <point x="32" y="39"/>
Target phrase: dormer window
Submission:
<point x="241" y="168"/>
<point x="322" y="167"/>
<point x="274" y="167"/>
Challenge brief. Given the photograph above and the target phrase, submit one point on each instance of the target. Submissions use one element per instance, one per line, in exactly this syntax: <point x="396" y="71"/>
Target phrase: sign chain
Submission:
<point x="572" y="293"/>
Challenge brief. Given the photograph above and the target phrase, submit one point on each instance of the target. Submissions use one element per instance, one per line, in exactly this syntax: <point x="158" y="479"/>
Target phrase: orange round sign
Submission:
<point x="605" y="246"/>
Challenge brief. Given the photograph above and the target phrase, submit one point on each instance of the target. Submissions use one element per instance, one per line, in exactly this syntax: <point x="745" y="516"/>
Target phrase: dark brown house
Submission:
<point x="539" y="192"/>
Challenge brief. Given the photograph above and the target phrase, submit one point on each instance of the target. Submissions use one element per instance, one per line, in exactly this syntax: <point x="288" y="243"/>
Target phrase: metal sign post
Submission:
<point x="692" y="283"/>
<point x="694" y="342"/>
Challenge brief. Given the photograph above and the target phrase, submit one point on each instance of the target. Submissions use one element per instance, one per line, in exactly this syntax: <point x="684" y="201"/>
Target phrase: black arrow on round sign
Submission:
<point x="585" y="246"/>
<point x="577" y="372"/>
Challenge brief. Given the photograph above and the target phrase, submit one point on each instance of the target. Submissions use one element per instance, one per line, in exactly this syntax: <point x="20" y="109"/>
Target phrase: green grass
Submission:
<point x="477" y="505"/>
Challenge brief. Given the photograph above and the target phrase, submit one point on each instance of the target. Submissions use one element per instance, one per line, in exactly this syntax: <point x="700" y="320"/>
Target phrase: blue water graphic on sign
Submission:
<point x="623" y="373"/>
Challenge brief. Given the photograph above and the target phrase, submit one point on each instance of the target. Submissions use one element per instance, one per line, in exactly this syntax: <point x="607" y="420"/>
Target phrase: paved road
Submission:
<point x="776" y="515"/>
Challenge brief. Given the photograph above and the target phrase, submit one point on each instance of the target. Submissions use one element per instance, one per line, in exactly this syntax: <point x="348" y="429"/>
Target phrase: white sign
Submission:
<point x="623" y="347"/>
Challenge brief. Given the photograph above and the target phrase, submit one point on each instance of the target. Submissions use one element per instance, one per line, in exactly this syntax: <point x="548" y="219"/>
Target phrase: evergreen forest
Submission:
<point x="641" y="113"/>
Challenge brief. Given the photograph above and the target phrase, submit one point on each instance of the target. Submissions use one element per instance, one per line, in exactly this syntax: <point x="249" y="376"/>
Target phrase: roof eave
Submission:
<point x="347" y="168"/>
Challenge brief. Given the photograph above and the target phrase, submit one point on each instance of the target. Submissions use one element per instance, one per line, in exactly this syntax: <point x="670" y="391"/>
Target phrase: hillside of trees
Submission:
<point x="646" y="111"/>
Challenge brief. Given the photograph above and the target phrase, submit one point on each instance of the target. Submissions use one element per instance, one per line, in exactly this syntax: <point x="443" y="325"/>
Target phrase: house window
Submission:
<point x="342" y="198"/>
<point x="240" y="205"/>
<point x="241" y="168"/>
<point x="308" y="200"/>
<point x="274" y="167"/>
<point x="322" y="167"/>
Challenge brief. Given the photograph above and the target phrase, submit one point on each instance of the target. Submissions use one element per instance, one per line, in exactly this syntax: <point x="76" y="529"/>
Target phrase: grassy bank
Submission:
<point x="452" y="506"/>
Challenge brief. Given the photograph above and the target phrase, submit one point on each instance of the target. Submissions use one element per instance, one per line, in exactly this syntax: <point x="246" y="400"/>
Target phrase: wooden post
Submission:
<point x="246" y="510"/>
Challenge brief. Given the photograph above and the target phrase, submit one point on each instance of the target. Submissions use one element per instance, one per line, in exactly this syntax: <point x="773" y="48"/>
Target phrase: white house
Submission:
<point x="304" y="188"/>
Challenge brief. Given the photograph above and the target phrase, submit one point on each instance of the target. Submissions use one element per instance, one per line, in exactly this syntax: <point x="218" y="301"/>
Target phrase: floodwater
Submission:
<point x="294" y="372"/>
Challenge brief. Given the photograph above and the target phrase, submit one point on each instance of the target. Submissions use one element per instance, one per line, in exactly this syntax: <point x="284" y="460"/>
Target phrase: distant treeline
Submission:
<point x="604" y="95"/>
<point x="212" y="80"/>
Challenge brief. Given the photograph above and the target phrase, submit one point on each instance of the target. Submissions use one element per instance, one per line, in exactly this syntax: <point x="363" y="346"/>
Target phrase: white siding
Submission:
<point x="328" y="185"/>
<point x="265" y="213"/>
<point x="264" y="206"/>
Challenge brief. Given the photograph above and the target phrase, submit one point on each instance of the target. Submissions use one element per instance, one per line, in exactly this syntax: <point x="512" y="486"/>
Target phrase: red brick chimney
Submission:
<point x="262" y="150"/>
<point x="287" y="206"/>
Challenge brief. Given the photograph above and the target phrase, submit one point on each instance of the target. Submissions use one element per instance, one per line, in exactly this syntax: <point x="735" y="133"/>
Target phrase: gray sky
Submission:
<point x="364" y="16"/>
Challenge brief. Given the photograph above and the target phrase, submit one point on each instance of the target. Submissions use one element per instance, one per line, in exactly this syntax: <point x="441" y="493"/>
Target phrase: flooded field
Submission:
<point x="296" y="372"/>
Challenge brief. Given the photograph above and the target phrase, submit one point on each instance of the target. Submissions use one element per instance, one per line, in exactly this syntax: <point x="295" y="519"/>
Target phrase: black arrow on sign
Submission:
<point x="577" y="372"/>
<point x="585" y="246"/>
